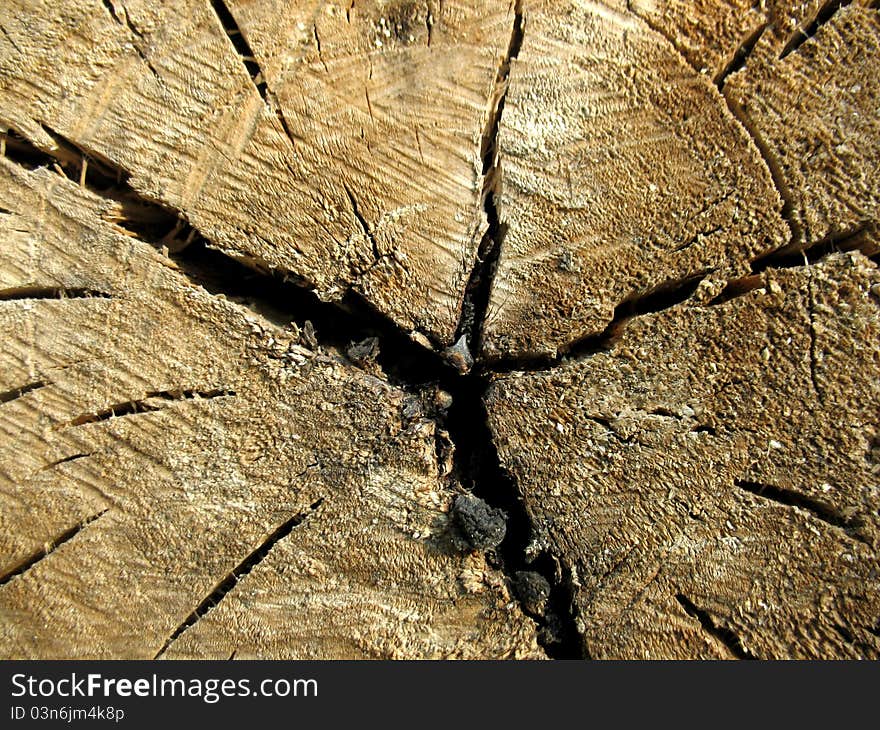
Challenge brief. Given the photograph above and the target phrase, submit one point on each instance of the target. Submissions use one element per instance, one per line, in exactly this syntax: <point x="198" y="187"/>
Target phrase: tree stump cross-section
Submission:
<point x="397" y="329"/>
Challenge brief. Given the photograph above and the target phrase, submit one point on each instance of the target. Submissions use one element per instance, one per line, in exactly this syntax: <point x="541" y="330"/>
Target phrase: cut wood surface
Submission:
<point x="814" y="108"/>
<point x="381" y="328"/>
<point x="622" y="171"/>
<point x="350" y="159"/>
<point x="156" y="439"/>
<point x="710" y="481"/>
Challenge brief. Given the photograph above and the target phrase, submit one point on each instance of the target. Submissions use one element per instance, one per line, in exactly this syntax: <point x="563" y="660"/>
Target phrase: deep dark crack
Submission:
<point x="353" y="331"/>
<point x="813" y="507"/>
<point x="740" y="55"/>
<point x="479" y="285"/>
<point x="16" y="393"/>
<point x="724" y="635"/>
<point x="479" y="470"/>
<point x="803" y="33"/>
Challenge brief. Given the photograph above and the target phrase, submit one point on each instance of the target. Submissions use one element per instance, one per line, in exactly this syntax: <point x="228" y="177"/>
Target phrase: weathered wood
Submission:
<point x="814" y="110"/>
<point x="709" y="484"/>
<point x="153" y="437"/>
<point x="800" y="77"/>
<point x="351" y="160"/>
<point x="622" y="170"/>
<point x="626" y="209"/>
<point x="716" y="37"/>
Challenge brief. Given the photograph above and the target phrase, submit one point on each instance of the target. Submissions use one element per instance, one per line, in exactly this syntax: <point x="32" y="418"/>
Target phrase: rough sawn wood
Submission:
<point x="350" y="161"/>
<point x="652" y="222"/>
<point x="710" y="482"/>
<point x="153" y="436"/>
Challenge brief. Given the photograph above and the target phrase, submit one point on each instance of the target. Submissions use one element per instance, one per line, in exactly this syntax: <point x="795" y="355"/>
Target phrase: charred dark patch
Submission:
<point x="153" y="401"/>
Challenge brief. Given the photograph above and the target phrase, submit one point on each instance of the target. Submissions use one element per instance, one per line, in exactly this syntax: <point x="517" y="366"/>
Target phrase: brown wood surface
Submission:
<point x="282" y="282"/>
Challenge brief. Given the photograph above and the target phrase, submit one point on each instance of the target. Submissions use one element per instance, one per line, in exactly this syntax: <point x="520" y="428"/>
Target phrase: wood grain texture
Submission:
<point x="710" y="482"/>
<point x="607" y="266"/>
<point x="275" y="158"/>
<point x="154" y="438"/>
<point x="815" y="112"/>
<point x="622" y="172"/>
<point x="800" y="77"/>
<point x="716" y="37"/>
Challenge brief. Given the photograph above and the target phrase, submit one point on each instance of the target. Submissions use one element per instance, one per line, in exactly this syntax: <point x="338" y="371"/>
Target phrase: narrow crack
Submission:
<point x="124" y="20"/>
<point x="153" y="401"/>
<point x="252" y="66"/>
<point x="65" y="460"/>
<point x="365" y="226"/>
<point x="803" y="33"/>
<point x="796" y="232"/>
<point x="689" y="59"/>
<point x="318" y="46"/>
<point x="429" y="23"/>
<point x="736" y="63"/>
<point x="740" y="55"/>
<point x="11" y="40"/>
<point x="479" y="285"/>
<point x="56" y="543"/>
<point x="241" y="45"/>
<point x="862" y="238"/>
<point x="232" y="578"/>
<point x="813" y="335"/>
<point x="724" y="635"/>
<point x="664" y="296"/>
<point x="15" y="393"/>
<point x="817" y="509"/>
<point x="18" y="293"/>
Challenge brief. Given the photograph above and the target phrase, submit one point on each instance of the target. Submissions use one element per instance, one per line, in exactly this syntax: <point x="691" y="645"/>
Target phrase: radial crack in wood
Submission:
<point x="622" y="170"/>
<point x="257" y="152"/>
<point x="203" y="434"/>
<point x="281" y="282"/>
<point x="708" y="500"/>
<point x="815" y="112"/>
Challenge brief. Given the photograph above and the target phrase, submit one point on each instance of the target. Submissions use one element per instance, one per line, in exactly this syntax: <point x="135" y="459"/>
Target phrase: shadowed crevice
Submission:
<point x="153" y="401"/>
<point x="11" y="395"/>
<point x="56" y="543"/>
<point x="664" y="296"/>
<point x="741" y="55"/>
<point x="479" y="286"/>
<point x="725" y="636"/>
<point x="803" y="33"/>
<point x="478" y="469"/>
<point x="815" y="508"/>
<point x="240" y="571"/>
